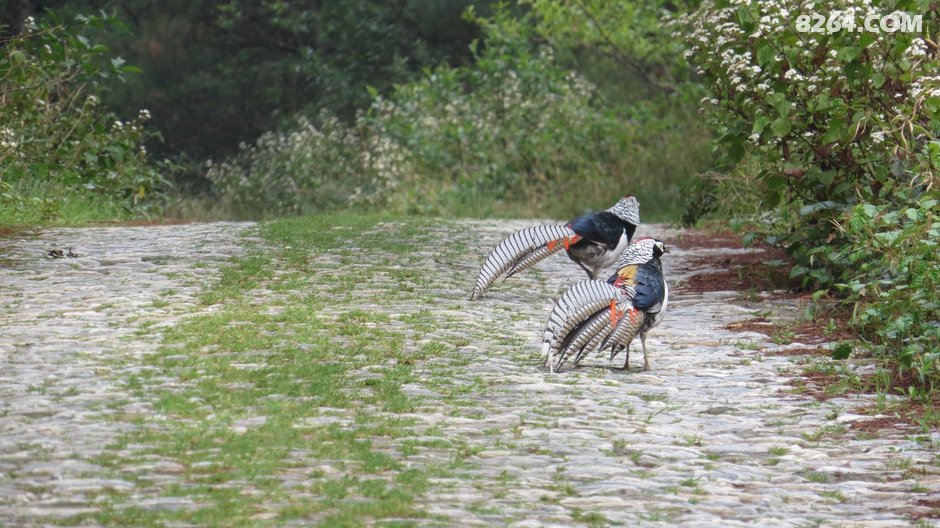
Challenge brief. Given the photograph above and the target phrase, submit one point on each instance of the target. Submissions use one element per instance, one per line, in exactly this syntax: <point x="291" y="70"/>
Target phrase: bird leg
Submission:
<point x="646" y="357"/>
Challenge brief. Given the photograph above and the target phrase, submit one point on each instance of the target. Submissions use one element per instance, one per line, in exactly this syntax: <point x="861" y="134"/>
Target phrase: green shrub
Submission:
<point x="894" y="271"/>
<point x="835" y="119"/>
<point x="515" y="133"/>
<point x="841" y="128"/>
<point x="310" y="168"/>
<point x="56" y="139"/>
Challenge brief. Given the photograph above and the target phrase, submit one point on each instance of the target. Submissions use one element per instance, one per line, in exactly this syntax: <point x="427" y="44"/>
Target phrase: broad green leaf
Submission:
<point x="781" y="127"/>
<point x="775" y="181"/>
<point x="770" y="199"/>
<point x="835" y="133"/>
<point x="842" y="351"/>
<point x="766" y="55"/>
<point x="849" y="53"/>
<point x="760" y="124"/>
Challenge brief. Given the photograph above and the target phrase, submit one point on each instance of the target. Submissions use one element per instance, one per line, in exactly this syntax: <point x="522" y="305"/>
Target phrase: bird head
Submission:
<point x="659" y="248"/>
<point x="642" y="251"/>
<point x="627" y="209"/>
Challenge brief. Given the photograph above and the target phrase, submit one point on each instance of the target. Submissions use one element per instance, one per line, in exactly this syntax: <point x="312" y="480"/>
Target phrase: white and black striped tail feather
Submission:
<point x="598" y="342"/>
<point x="575" y="306"/>
<point x="517" y="252"/>
<point x="578" y="303"/>
<point x="530" y="259"/>
<point x="623" y="335"/>
<point x="578" y="341"/>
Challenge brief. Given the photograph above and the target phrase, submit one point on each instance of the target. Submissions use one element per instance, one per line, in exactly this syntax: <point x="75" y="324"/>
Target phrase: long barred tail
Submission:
<point x="578" y="341"/>
<point x="532" y="258"/>
<point x="520" y="251"/>
<point x="575" y="306"/>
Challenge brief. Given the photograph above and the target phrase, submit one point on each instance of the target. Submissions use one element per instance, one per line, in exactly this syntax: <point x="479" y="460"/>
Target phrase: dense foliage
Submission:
<point x="514" y="132"/>
<point x="894" y="280"/>
<point x="633" y="35"/>
<point x="58" y="144"/>
<point x="216" y="73"/>
<point x="841" y="128"/>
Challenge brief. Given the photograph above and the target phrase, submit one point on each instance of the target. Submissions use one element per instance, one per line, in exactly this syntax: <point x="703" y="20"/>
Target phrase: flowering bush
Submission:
<point x="515" y="127"/>
<point x="835" y="118"/>
<point x="309" y="168"/>
<point x="55" y="135"/>
<point x="515" y="132"/>
<point x="842" y="124"/>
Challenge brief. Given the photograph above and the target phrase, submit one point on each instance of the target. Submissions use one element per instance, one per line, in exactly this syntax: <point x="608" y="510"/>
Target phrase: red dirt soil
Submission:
<point x="739" y="272"/>
<point x="703" y="240"/>
<point x="807" y="332"/>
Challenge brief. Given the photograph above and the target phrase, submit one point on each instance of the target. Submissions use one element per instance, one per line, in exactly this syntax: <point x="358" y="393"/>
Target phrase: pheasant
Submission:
<point x="600" y="314"/>
<point x="593" y="241"/>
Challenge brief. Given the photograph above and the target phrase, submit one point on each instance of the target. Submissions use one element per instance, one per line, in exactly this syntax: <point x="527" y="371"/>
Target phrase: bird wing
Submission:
<point x="521" y="250"/>
<point x="649" y="287"/>
<point x="644" y="285"/>
<point x="602" y="228"/>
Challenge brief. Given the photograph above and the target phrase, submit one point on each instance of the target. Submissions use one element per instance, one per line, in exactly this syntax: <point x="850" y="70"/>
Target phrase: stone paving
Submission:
<point x="69" y="337"/>
<point x="711" y="436"/>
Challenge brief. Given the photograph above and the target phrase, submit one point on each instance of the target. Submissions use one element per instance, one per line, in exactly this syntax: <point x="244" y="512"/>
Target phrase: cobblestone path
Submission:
<point x="68" y="336"/>
<point x="713" y="435"/>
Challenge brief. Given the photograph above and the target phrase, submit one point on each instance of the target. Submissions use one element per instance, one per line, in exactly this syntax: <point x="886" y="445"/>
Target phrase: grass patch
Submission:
<point x="283" y="402"/>
<point x="51" y="205"/>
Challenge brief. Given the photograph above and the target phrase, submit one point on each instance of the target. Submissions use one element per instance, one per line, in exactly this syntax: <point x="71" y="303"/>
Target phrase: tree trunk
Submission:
<point x="14" y="17"/>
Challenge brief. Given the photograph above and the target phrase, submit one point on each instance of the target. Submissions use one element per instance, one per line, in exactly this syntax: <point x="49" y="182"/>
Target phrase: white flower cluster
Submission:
<point x="753" y="75"/>
<point x="917" y="50"/>
<point x="8" y="138"/>
<point x="925" y="86"/>
<point x="430" y="137"/>
<point x="716" y="36"/>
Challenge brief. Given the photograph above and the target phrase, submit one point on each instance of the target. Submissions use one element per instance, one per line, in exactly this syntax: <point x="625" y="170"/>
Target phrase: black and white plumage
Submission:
<point x="593" y="241"/>
<point x="609" y="314"/>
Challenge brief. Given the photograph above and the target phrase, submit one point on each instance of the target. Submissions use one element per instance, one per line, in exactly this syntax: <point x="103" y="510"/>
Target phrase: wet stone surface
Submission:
<point x="713" y="435"/>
